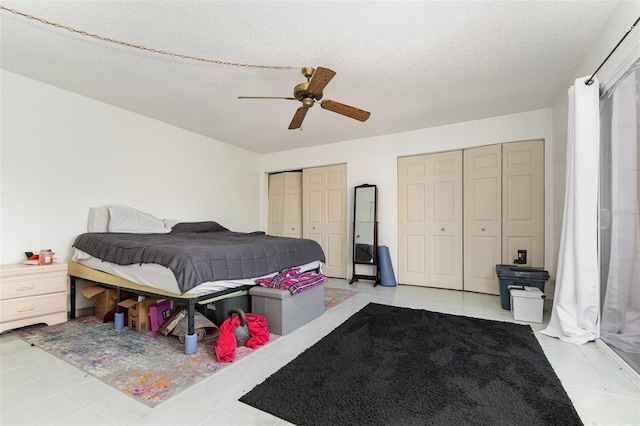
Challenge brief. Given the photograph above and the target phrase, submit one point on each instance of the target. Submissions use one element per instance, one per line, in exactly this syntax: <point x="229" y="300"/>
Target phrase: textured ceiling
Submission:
<point x="411" y="64"/>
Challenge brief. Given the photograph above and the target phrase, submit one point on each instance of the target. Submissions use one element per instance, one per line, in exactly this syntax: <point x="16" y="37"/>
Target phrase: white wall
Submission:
<point x="374" y="161"/>
<point x="61" y="153"/>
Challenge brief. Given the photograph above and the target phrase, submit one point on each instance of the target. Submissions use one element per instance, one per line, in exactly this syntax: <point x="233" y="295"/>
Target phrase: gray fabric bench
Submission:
<point x="286" y="312"/>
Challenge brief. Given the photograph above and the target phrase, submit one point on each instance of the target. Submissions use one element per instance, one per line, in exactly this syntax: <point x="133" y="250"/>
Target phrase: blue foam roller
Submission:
<point x="387" y="277"/>
<point x="190" y="343"/>
<point x="118" y="321"/>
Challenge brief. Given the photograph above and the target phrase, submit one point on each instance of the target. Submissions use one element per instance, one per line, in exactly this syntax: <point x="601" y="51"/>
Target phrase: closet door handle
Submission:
<point x="442" y="229"/>
<point x="482" y="229"/>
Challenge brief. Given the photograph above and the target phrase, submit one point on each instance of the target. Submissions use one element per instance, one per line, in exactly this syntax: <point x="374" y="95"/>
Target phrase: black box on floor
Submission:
<point x="218" y="310"/>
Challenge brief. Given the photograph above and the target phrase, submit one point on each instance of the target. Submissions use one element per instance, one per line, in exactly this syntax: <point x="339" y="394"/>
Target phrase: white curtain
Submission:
<point x="621" y="309"/>
<point x="576" y="305"/>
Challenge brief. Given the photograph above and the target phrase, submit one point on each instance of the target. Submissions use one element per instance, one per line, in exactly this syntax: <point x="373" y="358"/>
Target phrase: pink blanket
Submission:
<point x="293" y="280"/>
<point x="225" y="346"/>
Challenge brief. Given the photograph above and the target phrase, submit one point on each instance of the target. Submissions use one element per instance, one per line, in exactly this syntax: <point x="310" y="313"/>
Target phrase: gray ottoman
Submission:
<point x="286" y="312"/>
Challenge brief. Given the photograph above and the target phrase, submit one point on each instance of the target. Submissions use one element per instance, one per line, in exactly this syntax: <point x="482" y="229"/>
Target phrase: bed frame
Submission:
<point x="77" y="270"/>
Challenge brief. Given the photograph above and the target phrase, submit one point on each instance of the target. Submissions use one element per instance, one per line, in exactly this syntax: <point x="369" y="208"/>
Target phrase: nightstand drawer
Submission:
<point x="14" y="309"/>
<point x="29" y="280"/>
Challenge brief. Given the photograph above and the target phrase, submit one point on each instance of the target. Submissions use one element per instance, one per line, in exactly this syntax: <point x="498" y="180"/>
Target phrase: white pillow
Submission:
<point x="98" y="219"/>
<point x="127" y="219"/>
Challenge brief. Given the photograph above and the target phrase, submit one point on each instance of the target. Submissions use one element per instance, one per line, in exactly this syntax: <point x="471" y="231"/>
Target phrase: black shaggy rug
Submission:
<point x="397" y="366"/>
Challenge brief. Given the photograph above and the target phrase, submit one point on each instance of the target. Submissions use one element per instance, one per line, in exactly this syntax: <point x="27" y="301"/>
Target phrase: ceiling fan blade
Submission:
<point x="297" y="118"/>
<point x="346" y="110"/>
<point x="266" y="97"/>
<point x="321" y="77"/>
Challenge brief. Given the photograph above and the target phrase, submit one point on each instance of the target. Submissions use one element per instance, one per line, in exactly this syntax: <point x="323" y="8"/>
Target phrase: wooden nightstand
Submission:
<point x="32" y="294"/>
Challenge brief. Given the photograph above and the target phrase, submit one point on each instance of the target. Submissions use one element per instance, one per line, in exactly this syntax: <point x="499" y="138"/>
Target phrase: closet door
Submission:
<point x="412" y="220"/>
<point x="324" y="211"/>
<point x="275" y="225"/>
<point x="445" y="220"/>
<point x="485" y="203"/>
<point x="285" y="205"/>
<point x="430" y="220"/>
<point x="293" y="204"/>
<point x="523" y="201"/>
<point x="482" y="218"/>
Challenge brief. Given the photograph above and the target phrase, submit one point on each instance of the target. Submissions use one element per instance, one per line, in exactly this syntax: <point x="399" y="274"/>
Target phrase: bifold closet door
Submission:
<point x="445" y="220"/>
<point x="447" y="243"/>
<point x="482" y="218"/>
<point x="324" y="213"/>
<point x="430" y="220"/>
<point x="275" y="225"/>
<point x="523" y="201"/>
<point x="412" y="220"/>
<point x="293" y="204"/>
<point x="285" y="204"/>
<point x="503" y="210"/>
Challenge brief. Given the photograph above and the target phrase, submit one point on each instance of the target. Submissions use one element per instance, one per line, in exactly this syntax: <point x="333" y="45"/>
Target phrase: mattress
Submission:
<point x="162" y="278"/>
<point x="198" y="252"/>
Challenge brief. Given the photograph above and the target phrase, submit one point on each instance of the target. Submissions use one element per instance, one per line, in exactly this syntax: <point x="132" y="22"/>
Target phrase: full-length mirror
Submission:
<point x="365" y="235"/>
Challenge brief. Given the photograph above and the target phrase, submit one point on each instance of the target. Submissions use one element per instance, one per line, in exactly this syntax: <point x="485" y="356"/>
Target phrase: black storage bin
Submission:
<point x="520" y="276"/>
<point x="218" y="311"/>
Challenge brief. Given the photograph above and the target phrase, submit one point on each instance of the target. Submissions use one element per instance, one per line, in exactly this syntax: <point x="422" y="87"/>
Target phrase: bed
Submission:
<point x="187" y="262"/>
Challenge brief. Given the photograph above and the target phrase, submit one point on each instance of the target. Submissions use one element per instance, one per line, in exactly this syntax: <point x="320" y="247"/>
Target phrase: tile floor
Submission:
<point x="39" y="389"/>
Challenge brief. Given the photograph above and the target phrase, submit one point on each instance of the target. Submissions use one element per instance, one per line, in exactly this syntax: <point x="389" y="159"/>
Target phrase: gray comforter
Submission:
<point x="198" y="252"/>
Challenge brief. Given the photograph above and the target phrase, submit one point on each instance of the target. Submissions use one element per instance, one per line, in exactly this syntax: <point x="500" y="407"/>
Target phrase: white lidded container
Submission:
<point x="527" y="303"/>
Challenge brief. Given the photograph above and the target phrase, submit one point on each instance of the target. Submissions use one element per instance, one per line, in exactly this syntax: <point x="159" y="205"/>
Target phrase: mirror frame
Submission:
<point x="374" y="261"/>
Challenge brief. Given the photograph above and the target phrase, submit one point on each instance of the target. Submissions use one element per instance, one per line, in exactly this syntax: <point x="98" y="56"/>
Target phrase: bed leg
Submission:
<point x="118" y="320"/>
<point x="72" y="296"/>
<point x="190" y="344"/>
<point x="191" y="317"/>
<point x="191" y="340"/>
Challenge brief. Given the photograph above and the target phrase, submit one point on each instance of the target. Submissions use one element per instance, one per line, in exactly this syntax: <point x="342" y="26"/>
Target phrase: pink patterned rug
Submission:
<point x="147" y="366"/>
<point x="335" y="296"/>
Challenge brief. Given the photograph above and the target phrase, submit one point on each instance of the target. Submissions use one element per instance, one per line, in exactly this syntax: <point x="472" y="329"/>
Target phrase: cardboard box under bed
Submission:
<point x="76" y="270"/>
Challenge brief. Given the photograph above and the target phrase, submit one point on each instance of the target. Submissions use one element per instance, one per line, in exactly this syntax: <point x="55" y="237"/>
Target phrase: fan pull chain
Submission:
<point x="140" y="47"/>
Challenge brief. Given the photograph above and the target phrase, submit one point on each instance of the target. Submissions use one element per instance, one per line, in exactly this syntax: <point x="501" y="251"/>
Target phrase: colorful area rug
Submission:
<point x="147" y="366"/>
<point x="335" y="296"/>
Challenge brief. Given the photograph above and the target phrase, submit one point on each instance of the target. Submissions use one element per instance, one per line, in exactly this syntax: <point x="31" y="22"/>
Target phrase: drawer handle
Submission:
<point x="26" y="308"/>
<point x="25" y="287"/>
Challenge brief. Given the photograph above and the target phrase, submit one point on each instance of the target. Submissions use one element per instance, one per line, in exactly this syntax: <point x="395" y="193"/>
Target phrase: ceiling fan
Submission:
<point x="310" y="92"/>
